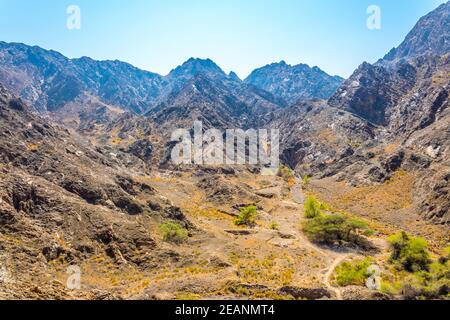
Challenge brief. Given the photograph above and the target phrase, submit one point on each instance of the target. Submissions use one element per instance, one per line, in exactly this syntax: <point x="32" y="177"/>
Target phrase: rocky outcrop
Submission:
<point x="372" y="90"/>
<point x="305" y="293"/>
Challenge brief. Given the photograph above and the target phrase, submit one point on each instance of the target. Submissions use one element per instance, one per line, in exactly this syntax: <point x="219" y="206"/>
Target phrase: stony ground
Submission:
<point x="221" y="260"/>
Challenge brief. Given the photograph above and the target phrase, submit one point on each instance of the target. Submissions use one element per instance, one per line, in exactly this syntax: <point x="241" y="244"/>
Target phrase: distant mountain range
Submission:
<point x="49" y="81"/>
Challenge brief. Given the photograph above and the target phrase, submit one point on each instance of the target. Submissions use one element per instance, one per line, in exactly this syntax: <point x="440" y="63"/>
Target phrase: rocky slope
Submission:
<point x="430" y="35"/>
<point x="389" y="116"/>
<point x="387" y="92"/>
<point x="294" y="83"/>
<point x="407" y="93"/>
<point x="67" y="205"/>
<point x="62" y="201"/>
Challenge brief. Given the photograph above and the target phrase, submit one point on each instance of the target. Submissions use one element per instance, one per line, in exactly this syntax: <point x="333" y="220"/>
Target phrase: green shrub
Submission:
<point x="419" y="277"/>
<point x="354" y="273"/>
<point x="325" y="206"/>
<point x="409" y="253"/>
<point x="331" y="228"/>
<point x="173" y="232"/>
<point x="438" y="280"/>
<point x="274" y="226"/>
<point x="285" y="172"/>
<point x="391" y="288"/>
<point x="446" y="254"/>
<point x="369" y="233"/>
<point x="432" y="284"/>
<point x="312" y="207"/>
<point x="247" y="216"/>
<point x="306" y="180"/>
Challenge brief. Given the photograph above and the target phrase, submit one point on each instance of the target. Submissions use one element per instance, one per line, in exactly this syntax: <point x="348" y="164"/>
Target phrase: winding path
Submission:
<point x="329" y="274"/>
<point x="338" y="258"/>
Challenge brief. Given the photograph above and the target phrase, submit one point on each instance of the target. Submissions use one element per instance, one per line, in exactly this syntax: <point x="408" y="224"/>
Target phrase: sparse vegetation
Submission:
<point x="270" y="269"/>
<point x="285" y="172"/>
<point x="416" y="275"/>
<point x="173" y="232"/>
<point x="394" y="194"/>
<point x="354" y="273"/>
<point x="33" y="147"/>
<point x="247" y="216"/>
<point x="306" y="180"/>
<point x="187" y="296"/>
<point x="409" y="253"/>
<point x="274" y="225"/>
<point x="116" y="140"/>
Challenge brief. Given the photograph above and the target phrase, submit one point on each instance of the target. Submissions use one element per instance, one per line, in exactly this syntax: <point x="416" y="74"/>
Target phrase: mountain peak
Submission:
<point x="431" y="35"/>
<point x="293" y="83"/>
<point x="195" y="66"/>
<point x="201" y="61"/>
<point x="233" y="76"/>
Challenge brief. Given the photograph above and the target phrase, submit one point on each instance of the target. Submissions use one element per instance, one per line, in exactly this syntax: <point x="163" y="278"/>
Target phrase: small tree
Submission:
<point x="331" y="228"/>
<point x="323" y="228"/>
<point x="312" y="207"/>
<point x="247" y="216"/>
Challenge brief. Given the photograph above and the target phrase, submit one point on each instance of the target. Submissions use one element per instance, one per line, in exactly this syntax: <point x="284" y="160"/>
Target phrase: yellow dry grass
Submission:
<point x="392" y="147"/>
<point x="33" y="147"/>
<point x="272" y="269"/>
<point x="395" y="194"/>
<point x="327" y="136"/>
<point x="210" y="213"/>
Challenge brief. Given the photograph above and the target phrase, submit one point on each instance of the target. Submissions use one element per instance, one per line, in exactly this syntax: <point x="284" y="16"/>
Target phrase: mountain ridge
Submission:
<point x="48" y="80"/>
<point x="294" y="83"/>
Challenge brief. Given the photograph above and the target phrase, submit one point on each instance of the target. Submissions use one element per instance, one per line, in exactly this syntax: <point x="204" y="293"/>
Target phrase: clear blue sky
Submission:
<point x="239" y="35"/>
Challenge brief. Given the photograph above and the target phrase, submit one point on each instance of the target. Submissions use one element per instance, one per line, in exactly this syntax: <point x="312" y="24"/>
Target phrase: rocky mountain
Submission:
<point x="85" y="180"/>
<point x="293" y="83"/>
<point x="83" y="92"/>
<point x="407" y="95"/>
<point x="48" y="80"/>
<point x="417" y="66"/>
<point x="315" y="136"/>
<point x="430" y="35"/>
<point x="200" y="89"/>
<point x="56" y="189"/>
<point x="193" y="68"/>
